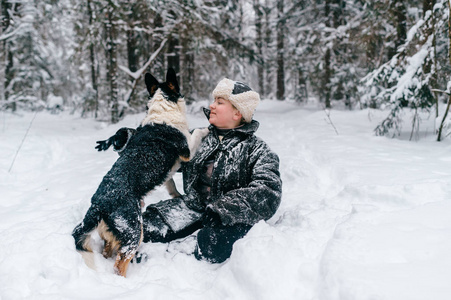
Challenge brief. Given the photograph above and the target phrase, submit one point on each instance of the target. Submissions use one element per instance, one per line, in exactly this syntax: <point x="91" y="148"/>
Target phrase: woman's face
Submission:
<point x="223" y="114"/>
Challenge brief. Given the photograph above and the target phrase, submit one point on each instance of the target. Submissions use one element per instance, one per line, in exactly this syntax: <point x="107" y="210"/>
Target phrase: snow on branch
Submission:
<point x="404" y="80"/>
<point x="441" y="91"/>
<point x="414" y="67"/>
<point x="8" y="35"/>
<point x="136" y="75"/>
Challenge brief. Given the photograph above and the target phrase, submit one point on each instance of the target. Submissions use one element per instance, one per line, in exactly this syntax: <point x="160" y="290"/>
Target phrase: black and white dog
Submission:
<point x="152" y="153"/>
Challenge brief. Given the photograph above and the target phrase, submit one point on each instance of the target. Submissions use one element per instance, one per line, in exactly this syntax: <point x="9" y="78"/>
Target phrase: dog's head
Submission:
<point x="166" y="105"/>
<point x="169" y="89"/>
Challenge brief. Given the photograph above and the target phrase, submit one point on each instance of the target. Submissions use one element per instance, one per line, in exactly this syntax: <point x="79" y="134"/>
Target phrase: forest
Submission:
<point x="89" y="56"/>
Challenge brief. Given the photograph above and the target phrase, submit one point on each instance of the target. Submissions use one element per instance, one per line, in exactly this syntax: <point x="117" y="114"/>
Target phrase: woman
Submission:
<point x="231" y="183"/>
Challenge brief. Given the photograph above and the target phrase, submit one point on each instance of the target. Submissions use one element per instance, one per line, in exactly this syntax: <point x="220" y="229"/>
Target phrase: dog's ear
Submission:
<point x="171" y="80"/>
<point x="151" y="84"/>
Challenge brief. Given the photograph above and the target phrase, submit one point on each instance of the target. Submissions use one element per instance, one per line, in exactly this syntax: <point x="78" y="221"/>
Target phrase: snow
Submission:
<point x="362" y="217"/>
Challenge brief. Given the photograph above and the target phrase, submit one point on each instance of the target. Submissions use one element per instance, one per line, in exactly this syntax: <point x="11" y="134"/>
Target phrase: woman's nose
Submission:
<point x="212" y="105"/>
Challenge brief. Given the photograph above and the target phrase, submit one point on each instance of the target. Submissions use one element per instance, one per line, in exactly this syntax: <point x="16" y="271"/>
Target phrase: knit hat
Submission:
<point x="240" y="95"/>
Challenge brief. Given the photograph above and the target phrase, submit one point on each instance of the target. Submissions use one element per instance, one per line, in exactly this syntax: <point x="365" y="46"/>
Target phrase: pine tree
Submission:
<point x="92" y="53"/>
<point x="112" y="56"/>
<point x="36" y="39"/>
<point x="6" y="57"/>
<point x="31" y="77"/>
<point x="405" y="80"/>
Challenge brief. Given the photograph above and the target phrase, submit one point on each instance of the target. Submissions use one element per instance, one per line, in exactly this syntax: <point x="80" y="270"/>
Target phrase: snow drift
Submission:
<point x="362" y="217"/>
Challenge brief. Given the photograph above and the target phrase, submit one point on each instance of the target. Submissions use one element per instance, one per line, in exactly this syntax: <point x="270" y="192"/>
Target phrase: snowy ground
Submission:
<point x="362" y="217"/>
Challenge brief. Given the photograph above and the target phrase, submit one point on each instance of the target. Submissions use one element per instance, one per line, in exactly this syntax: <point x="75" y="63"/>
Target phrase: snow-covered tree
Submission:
<point x="405" y="81"/>
<point x="36" y="46"/>
<point x="326" y="49"/>
<point x="92" y="54"/>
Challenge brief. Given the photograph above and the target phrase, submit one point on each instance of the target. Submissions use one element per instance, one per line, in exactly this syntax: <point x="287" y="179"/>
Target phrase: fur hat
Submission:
<point x="240" y="95"/>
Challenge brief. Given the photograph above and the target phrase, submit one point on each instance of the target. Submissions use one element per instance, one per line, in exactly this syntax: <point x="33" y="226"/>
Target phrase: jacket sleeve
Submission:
<point x="176" y="213"/>
<point x="260" y="199"/>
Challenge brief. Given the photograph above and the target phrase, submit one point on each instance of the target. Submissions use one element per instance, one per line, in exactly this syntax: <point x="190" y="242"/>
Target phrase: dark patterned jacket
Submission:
<point x="245" y="182"/>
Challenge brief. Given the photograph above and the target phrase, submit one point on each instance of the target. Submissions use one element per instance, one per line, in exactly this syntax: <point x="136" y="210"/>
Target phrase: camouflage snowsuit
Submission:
<point x="245" y="188"/>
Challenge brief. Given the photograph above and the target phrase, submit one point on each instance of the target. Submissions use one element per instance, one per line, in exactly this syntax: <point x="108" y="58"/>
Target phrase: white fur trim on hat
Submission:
<point x="240" y="95"/>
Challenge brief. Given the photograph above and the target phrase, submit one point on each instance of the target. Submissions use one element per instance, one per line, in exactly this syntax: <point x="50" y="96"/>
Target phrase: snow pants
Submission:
<point x="214" y="243"/>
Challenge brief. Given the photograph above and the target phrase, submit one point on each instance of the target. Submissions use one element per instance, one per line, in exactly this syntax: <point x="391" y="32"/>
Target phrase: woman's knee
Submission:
<point x="155" y="228"/>
<point x="158" y="231"/>
<point x="215" y="244"/>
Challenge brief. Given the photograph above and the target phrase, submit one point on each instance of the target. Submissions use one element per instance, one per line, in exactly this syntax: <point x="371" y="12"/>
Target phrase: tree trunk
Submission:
<point x="7" y="58"/>
<point x="173" y="54"/>
<point x="113" y="68"/>
<point x="132" y="43"/>
<point x="401" y="26"/>
<point x="131" y="50"/>
<point x="187" y="67"/>
<point x="327" y="76"/>
<point x="280" y="52"/>
<point x="449" y="32"/>
<point x="93" y="60"/>
<point x="268" y="39"/>
<point x="399" y="13"/>
<point x="259" y="44"/>
<point x="428" y="5"/>
<point x="301" y="94"/>
<point x="439" y="136"/>
<point x="327" y="71"/>
<point x="158" y="67"/>
<point x="338" y="13"/>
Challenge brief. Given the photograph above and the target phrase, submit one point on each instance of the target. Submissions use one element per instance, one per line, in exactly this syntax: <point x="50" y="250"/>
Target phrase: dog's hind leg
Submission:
<point x="125" y="255"/>
<point x="127" y="227"/>
<point x="107" y="249"/>
<point x="82" y="236"/>
<point x="122" y="262"/>
<point x="111" y="243"/>
<point x="82" y="231"/>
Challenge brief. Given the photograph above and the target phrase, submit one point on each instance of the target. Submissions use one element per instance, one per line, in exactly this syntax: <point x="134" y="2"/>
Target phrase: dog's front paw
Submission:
<point x="103" y="145"/>
<point x="201" y="132"/>
<point x="196" y="139"/>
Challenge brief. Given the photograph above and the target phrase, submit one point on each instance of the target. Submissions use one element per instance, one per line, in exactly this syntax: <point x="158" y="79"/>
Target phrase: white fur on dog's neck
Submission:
<point x="162" y="111"/>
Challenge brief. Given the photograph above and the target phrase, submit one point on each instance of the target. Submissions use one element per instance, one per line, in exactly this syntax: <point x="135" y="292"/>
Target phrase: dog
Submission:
<point x="152" y="153"/>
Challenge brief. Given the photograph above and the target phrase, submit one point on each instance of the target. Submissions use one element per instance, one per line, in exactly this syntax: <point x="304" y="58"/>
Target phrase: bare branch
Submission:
<point x="136" y="75"/>
<point x="441" y="91"/>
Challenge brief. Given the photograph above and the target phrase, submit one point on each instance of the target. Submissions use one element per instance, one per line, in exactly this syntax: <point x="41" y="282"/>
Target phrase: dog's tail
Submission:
<point x="88" y="257"/>
<point x="82" y="235"/>
<point x="82" y="232"/>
